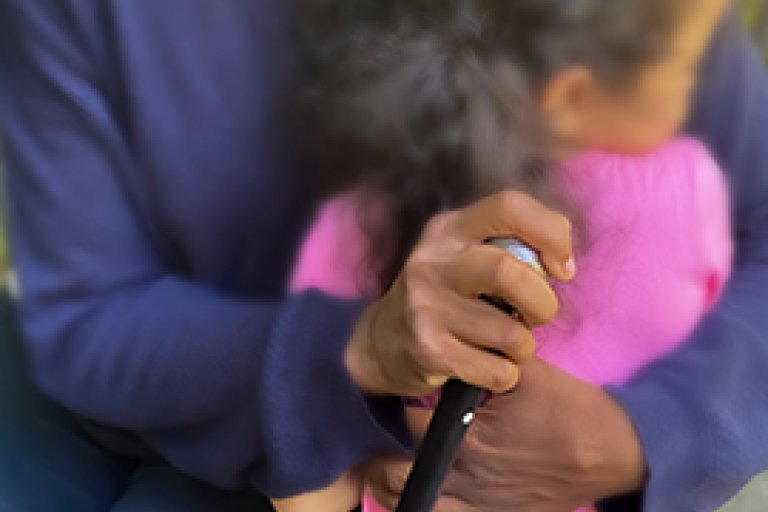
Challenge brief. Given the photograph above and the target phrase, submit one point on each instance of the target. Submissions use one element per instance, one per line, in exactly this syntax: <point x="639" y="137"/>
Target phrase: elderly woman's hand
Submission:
<point x="430" y="325"/>
<point x="555" y="443"/>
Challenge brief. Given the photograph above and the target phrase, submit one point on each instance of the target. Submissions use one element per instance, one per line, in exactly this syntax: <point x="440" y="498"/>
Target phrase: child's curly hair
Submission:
<point x="431" y="104"/>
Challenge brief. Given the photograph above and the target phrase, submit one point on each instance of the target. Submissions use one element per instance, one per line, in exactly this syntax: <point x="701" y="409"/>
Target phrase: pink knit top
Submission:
<point x="656" y="254"/>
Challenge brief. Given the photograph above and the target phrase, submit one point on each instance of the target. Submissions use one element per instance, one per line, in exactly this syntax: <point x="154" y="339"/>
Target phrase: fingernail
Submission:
<point x="570" y="268"/>
<point x="436" y="382"/>
<point x="514" y="377"/>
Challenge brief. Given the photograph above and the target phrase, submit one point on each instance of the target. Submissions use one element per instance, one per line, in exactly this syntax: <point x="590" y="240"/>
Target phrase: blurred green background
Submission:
<point x="755" y="13"/>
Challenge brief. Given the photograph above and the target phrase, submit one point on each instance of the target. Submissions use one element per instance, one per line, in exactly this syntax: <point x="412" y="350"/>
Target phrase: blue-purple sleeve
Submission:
<point x="702" y="412"/>
<point x="233" y="392"/>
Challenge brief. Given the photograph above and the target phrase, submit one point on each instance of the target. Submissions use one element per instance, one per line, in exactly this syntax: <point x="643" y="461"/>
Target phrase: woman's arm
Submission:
<point x="702" y="412"/>
<point x="227" y="389"/>
<point x="233" y="391"/>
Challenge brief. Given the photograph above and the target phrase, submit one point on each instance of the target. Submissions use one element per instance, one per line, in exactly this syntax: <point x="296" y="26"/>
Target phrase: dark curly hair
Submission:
<point x="430" y="104"/>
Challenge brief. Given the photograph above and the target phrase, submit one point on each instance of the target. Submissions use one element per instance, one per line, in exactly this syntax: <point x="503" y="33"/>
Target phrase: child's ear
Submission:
<point x="566" y="102"/>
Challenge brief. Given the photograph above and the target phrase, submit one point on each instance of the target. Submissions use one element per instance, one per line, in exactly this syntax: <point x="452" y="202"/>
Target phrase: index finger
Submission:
<point x="514" y="214"/>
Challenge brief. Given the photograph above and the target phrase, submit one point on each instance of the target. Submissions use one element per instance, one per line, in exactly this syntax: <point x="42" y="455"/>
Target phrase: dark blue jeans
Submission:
<point x="48" y="464"/>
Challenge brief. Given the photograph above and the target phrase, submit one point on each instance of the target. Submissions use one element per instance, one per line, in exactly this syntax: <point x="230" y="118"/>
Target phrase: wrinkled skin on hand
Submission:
<point x="553" y="444"/>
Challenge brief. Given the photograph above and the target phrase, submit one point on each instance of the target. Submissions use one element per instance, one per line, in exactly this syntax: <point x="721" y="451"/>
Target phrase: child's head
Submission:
<point x="437" y="102"/>
<point x="629" y="71"/>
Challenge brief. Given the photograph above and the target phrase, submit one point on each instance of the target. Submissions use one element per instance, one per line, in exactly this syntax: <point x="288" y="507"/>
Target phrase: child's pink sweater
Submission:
<point x="655" y="257"/>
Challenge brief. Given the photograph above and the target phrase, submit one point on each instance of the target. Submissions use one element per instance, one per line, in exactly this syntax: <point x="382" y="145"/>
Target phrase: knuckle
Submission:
<point x="510" y="334"/>
<point x="426" y="329"/>
<point x="415" y="270"/>
<point x="584" y="459"/>
<point x="417" y="285"/>
<point x="423" y="321"/>
<point x="511" y="197"/>
<point x="438" y="225"/>
<point x="501" y="378"/>
<point x="511" y="202"/>
<point x="497" y="382"/>
<point x="507" y="271"/>
<point x="517" y="340"/>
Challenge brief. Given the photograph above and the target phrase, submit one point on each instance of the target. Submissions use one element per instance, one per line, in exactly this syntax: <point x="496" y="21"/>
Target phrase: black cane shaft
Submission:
<point x="442" y="440"/>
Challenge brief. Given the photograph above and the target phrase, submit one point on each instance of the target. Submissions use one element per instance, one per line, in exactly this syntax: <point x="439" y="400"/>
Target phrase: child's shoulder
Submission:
<point x="684" y="146"/>
<point x="684" y="153"/>
<point x="689" y="152"/>
<point x="694" y="166"/>
<point x="334" y="253"/>
<point x="682" y="168"/>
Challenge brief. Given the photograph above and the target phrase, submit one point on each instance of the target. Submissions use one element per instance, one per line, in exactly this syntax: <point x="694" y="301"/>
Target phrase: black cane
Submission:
<point x="452" y="417"/>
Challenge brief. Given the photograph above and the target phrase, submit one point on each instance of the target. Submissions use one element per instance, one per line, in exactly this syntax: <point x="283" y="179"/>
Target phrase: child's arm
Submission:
<point x="418" y="418"/>
<point x="330" y="260"/>
<point x="341" y="496"/>
<point x="346" y="492"/>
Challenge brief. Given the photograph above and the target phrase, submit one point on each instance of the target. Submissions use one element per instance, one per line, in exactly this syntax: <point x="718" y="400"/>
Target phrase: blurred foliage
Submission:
<point x="755" y="14"/>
